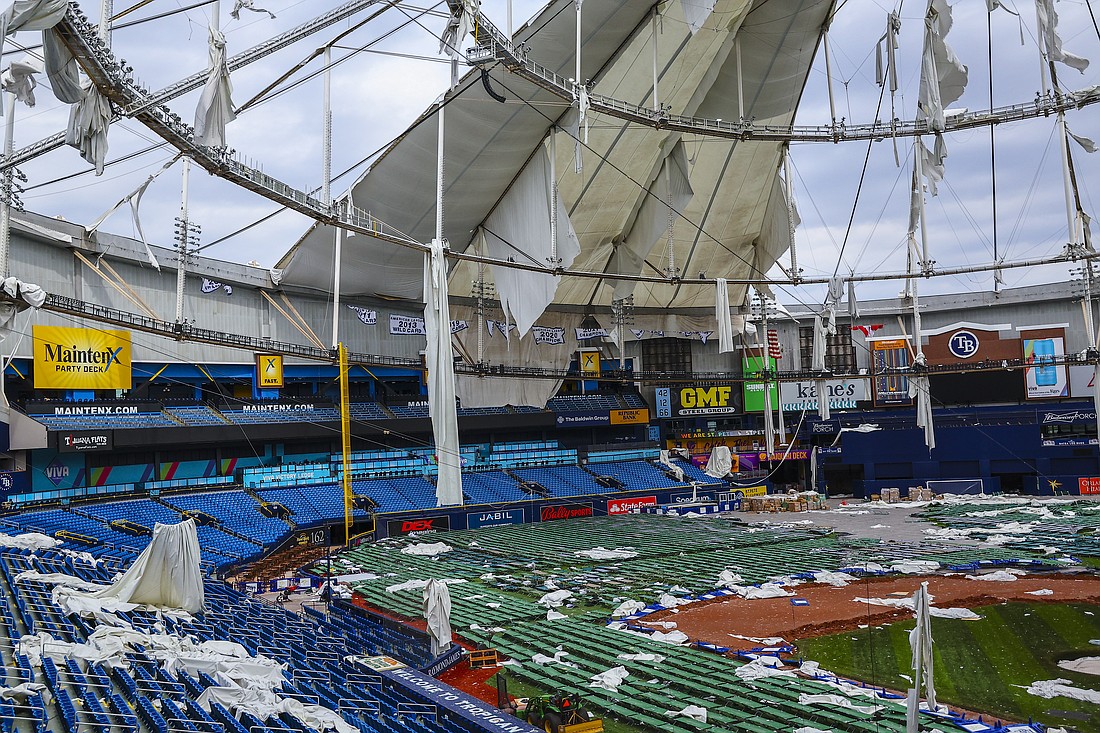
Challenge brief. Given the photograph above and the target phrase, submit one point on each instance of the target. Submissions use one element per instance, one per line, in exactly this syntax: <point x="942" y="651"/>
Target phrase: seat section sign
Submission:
<point x="418" y="524"/>
<point x="477" y="520"/>
<point x="81" y="358"/>
<point x="625" y="506"/>
<point x="554" y="512"/>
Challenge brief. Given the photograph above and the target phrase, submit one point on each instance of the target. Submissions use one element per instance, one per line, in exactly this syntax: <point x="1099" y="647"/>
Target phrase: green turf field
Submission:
<point x="979" y="664"/>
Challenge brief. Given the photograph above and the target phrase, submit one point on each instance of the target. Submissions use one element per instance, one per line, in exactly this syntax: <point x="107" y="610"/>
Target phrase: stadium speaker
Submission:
<point x="364" y="502"/>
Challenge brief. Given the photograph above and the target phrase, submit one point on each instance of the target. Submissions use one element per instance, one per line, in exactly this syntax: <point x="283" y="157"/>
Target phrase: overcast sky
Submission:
<point x="377" y="94"/>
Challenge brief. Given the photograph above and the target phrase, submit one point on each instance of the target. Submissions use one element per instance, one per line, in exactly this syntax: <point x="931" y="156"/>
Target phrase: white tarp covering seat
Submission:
<point x="602" y="553"/>
<point x="609" y="679"/>
<point x="764" y="590"/>
<point x="720" y="462"/>
<point x="626" y="608"/>
<point x="427" y="549"/>
<point x="29" y="541"/>
<point x="555" y="599"/>
<point x="265" y="704"/>
<point x="838" y="701"/>
<point x="666" y="461"/>
<point x="762" y="667"/>
<point x="1062" y="688"/>
<point x="1084" y="665"/>
<point x="166" y="576"/>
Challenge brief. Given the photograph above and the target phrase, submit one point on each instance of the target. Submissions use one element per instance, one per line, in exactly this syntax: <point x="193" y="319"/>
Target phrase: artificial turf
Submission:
<point x="983" y="666"/>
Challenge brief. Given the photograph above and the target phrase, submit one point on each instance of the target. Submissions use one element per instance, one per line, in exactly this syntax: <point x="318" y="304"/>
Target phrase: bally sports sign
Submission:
<point x="81" y="358"/>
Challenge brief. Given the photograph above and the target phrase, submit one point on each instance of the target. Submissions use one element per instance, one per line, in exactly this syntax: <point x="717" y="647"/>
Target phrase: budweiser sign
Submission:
<point x="625" y="506"/>
<point x="565" y="511"/>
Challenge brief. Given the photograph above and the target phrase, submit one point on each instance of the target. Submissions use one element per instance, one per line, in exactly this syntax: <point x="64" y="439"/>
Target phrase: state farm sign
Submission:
<point x="625" y="506"/>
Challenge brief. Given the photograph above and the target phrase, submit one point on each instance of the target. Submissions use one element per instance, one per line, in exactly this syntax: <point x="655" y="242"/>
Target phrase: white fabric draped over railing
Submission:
<point x="519" y="230"/>
<point x="439" y="360"/>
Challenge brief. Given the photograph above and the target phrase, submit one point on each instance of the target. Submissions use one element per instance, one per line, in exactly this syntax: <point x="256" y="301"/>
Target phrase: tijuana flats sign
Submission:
<point x="565" y="511"/>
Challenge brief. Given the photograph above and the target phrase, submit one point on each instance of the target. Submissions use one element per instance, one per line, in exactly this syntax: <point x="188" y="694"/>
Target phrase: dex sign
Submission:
<point x="81" y="358"/>
<point x="843" y="394"/>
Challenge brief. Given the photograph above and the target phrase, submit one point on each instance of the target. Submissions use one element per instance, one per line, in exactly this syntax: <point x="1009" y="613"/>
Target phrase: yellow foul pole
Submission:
<point x="345" y="437"/>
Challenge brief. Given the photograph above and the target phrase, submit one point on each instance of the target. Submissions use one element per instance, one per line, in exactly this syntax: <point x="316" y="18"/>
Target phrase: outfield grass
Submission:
<point x="981" y="665"/>
<point x="519" y="688"/>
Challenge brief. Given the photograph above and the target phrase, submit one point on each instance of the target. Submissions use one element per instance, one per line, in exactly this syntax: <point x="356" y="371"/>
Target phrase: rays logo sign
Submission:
<point x="81" y="358"/>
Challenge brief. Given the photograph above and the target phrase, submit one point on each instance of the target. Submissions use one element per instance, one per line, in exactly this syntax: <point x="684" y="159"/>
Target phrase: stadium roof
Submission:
<point x="730" y="215"/>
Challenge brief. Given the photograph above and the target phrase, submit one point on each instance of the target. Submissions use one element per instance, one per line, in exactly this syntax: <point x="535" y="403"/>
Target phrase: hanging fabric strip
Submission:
<point x="853" y="304"/>
<point x="1047" y="18"/>
<point x="920" y="390"/>
<point x="696" y="13"/>
<point x="943" y="77"/>
<point x="582" y="108"/>
<point x="817" y="364"/>
<point x="439" y="358"/>
<point x="519" y="229"/>
<point x="18" y="79"/>
<point x="1086" y="144"/>
<point x="32" y="15"/>
<point x="885" y="67"/>
<point x="88" y="122"/>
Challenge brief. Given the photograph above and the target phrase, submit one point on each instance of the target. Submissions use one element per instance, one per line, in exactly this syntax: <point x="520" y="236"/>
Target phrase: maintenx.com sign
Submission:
<point x="81" y="358"/>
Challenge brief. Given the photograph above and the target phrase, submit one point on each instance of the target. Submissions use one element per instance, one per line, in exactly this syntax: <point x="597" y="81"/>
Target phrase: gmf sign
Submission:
<point x="81" y="358"/>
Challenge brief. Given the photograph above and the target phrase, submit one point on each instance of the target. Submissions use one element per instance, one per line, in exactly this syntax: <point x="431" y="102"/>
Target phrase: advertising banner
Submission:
<point x="713" y="399"/>
<point x="663" y="398"/>
<point x="477" y="520"/>
<point x="625" y="506"/>
<point x="887" y="354"/>
<point x="750" y="492"/>
<point x="81" y="358"/>
<point x="966" y="343"/>
<point x="705" y="496"/>
<point x="407" y="325"/>
<point x="78" y="441"/>
<point x="421" y="524"/>
<point x="284" y="407"/>
<point x="843" y="394"/>
<point x="553" y="512"/>
<point x="269" y="371"/>
<point x="754" y="391"/>
<point x="1043" y="377"/>
<point x="1089" y="485"/>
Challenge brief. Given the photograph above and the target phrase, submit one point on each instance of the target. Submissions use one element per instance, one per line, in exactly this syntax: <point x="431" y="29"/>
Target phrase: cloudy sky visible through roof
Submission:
<point x="379" y="92"/>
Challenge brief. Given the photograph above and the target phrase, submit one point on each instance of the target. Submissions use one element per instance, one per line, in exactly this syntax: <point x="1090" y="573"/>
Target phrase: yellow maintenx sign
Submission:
<point x="269" y="371"/>
<point x="81" y="358"/>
